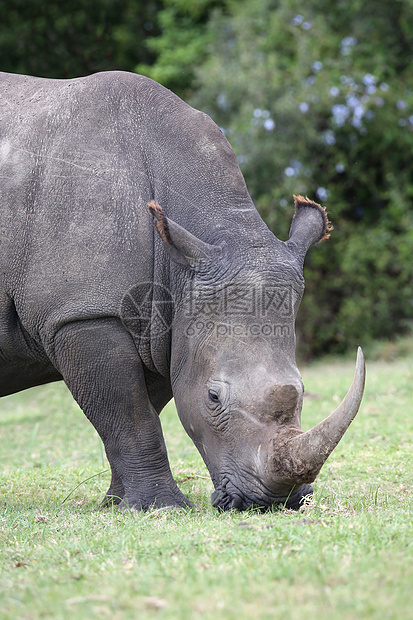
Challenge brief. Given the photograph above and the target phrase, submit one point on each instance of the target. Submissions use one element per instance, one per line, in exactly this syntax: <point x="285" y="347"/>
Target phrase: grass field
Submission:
<point x="347" y="555"/>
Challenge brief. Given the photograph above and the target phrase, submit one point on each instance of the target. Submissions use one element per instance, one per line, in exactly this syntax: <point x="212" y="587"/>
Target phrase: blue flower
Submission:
<point x="340" y="113"/>
<point x="322" y="193"/>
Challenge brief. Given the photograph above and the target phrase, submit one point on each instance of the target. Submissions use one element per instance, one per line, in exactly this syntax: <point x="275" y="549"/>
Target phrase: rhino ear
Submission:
<point x="310" y="224"/>
<point x="182" y="246"/>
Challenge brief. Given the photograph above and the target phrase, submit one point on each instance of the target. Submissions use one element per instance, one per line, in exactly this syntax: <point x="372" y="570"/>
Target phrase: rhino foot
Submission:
<point x="115" y="492"/>
<point x="159" y="496"/>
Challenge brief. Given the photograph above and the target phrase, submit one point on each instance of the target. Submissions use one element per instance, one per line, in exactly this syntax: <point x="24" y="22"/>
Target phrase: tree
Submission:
<point x="50" y="39"/>
<point x="181" y="45"/>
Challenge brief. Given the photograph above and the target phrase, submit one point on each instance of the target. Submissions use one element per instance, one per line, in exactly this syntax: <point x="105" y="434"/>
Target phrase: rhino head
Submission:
<point x="235" y="381"/>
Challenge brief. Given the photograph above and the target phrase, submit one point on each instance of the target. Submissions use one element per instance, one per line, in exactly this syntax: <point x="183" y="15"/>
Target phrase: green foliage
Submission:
<point x="317" y="99"/>
<point x="51" y="39"/>
<point x="180" y="47"/>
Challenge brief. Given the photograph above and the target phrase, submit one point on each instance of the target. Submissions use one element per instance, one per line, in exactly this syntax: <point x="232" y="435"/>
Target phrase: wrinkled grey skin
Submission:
<point x="79" y="162"/>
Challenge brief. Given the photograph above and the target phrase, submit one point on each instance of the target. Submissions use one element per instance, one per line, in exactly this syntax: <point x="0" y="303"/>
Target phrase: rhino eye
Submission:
<point x="217" y="395"/>
<point x="213" y="396"/>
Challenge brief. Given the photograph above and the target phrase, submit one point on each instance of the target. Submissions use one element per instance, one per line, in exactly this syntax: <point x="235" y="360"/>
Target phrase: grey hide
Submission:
<point x="192" y="297"/>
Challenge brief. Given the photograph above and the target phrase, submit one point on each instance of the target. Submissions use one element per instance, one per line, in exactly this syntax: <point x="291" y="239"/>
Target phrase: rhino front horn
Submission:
<point x="312" y="448"/>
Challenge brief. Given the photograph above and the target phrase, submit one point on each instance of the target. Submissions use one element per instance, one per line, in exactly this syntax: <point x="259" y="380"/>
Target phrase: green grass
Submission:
<point x="347" y="555"/>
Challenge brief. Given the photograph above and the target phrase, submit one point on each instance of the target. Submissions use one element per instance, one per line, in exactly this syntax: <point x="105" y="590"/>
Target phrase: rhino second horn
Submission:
<point x="313" y="447"/>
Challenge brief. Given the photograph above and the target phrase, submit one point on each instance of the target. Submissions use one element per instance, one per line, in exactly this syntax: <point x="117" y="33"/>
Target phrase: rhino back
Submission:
<point x="79" y="161"/>
<point x="70" y="194"/>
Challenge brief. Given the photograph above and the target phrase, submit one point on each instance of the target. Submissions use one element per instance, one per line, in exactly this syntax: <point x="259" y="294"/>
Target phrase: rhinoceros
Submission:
<point x="135" y="267"/>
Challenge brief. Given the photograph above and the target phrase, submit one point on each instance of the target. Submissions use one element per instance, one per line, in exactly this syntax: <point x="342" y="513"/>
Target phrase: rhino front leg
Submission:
<point x="100" y="364"/>
<point x="116" y="491"/>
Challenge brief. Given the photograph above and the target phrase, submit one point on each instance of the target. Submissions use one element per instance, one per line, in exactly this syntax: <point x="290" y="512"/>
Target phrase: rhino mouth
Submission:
<point x="227" y="496"/>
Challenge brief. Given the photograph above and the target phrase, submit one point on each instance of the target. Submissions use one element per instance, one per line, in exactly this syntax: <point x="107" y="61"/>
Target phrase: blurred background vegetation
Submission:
<point x="316" y="98"/>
